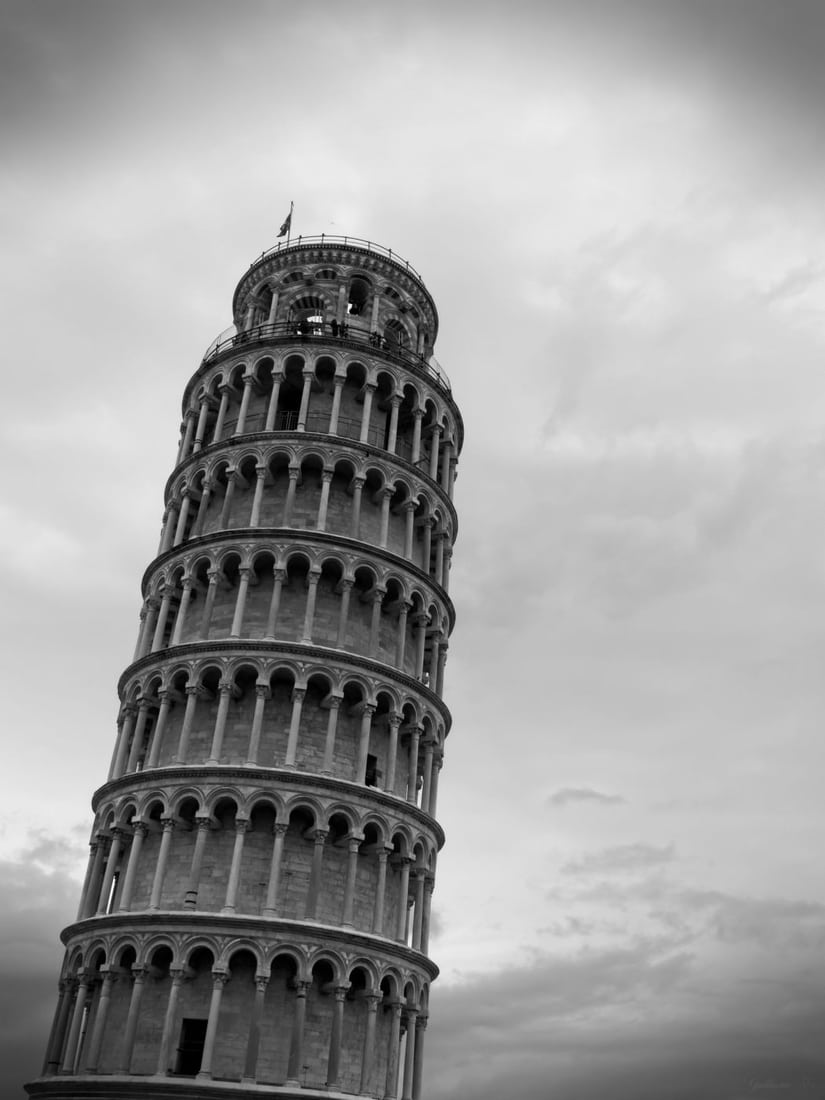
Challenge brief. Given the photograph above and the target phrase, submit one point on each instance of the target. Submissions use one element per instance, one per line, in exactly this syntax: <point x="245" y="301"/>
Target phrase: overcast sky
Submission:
<point x="619" y="211"/>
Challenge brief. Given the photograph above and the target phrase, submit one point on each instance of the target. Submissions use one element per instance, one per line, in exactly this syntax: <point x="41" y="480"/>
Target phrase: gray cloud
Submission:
<point x="565" y="796"/>
<point x="620" y="859"/>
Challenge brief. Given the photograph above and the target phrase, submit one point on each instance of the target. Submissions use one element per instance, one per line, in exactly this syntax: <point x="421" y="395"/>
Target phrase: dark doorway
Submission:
<point x="190" y="1048"/>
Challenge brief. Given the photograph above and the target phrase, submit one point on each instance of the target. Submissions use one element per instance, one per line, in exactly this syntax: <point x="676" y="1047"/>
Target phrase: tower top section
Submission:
<point x="352" y="289"/>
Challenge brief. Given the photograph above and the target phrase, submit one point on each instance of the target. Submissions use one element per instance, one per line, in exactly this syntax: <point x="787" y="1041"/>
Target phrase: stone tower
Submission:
<point x="256" y="909"/>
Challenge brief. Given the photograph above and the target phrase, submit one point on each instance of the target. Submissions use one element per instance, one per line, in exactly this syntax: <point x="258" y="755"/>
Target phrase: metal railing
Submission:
<point x="347" y="242"/>
<point x="343" y="335"/>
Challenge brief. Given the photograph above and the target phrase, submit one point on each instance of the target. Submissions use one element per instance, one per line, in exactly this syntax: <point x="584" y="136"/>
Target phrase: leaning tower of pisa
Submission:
<point x="256" y="909"/>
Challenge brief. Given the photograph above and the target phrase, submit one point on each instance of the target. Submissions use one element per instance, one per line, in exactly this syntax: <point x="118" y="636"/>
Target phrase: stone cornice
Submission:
<point x="280" y="777"/>
<point x="272" y="928"/>
<point x="297" y="534"/>
<point x="341" y="658"/>
<point x="339" y="442"/>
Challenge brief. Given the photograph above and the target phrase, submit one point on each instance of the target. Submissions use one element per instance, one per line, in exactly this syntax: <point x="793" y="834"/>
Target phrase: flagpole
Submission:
<point x="289" y="224"/>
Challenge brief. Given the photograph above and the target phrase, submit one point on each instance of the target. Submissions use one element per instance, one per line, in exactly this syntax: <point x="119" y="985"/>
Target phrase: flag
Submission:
<point x="284" y="230"/>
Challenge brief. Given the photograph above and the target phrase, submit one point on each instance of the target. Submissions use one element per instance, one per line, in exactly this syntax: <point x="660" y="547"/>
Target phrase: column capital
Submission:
<point x="340" y="992"/>
<point x="168" y="823"/>
<point x="298" y="693"/>
<point x="280" y="828"/>
<point x="320" y="835"/>
<point x="242" y="824"/>
<point x="263" y="691"/>
<point x="139" y="973"/>
<point x="261" y="982"/>
<point x="203" y="824"/>
<point x="139" y="828"/>
<point x="176" y="974"/>
<point x="301" y="987"/>
<point x="279" y="573"/>
<point x="220" y="978"/>
<point x="359" y="482"/>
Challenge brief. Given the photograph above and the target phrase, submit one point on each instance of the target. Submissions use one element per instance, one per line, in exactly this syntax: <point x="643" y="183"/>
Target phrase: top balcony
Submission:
<point x="356" y="244"/>
<point x="332" y="334"/>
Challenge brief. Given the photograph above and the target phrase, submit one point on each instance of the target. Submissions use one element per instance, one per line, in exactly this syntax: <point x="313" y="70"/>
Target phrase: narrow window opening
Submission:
<point x="190" y="1047"/>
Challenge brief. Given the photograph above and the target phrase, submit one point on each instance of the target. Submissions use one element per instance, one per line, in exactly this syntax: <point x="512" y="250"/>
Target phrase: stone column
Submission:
<point x="226" y="690"/>
<point x="200" y="431"/>
<point x="219" y="980"/>
<point x="203" y="508"/>
<point x="312" y="593"/>
<point x="253" y="1042"/>
<point x="163" y="1067"/>
<point x="334" y="1060"/>
<point x="189" y="421"/>
<point x="380" y="890"/>
<point x="412" y="765"/>
<point x="272" y="407"/>
<point x="180" y="618"/>
<point x="323" y="506"/>
<point x="391" y="1086"/>
<point x="420" y="621"/>
<point x="111" y="867"/>
<point x="144" y="611"/>
<point x="230" y="902"/>
<point x="315" y="873"/>
<point x="203" y="825"/>
<point x="446" y="463"/>
<point x="183" y="516"/>
<point x="275" y="603"/>
<point x="96" y="1043"/>
<point x="296" y="1046"/>
<point x="384" y="532"/>
<point x="439" y="672"/>
<point x="169" y="526"/>
<point x="336" y="406"/>
<point x="409" y="1054"/>
<point x="271" y="902"/>
<point x="132" y="1019"/>
<point x="224" y="391"/>
<point x="435" y="443"/>
<point x="262" y="693"/>
<point x="358" y="488"/>
<point x="392" y="752"/>
<point x="168" y="824"/>
<point x="346" y="587"/>
<point x="290" y="495"/>
<point x="364" y="742"/>
<point x="91" y="888"/>
<point x="401" y="642"/>
<point x="139" y="831"/>
<point x="66" y="988"/>
<point x="244" y="409"/>
<point x="226" y="507"/>
<point x="368" y="1053"/>
<point x="240" y="601"/>
<point x="426" y="543"/>
<point x="377" y="595"/>
<point x="432" y="672"/>
<point x="71" y="1052"/>
<point x="429" y="749"/>
<point x="167" y="697"/>
<point x="418" y="416"/>
<point x="418" y="912"/>
<point x="209" y="603"/>
<point x="304" y="409"/>
<point x="403" y="893"/>
<point x="367" y="412"/>
<point x="440" y="536"/>
<point x="392" y="434"/>
<point x="192" y="693"/>
<point x="163" y="615"/>
<point x="418" y="1062"/>
<point x="437" y="764"/>
<point x="273" y="308"/>
<point x="138" y="736"/>
<point x="260" y="482"/>
<point x="294" y="725"/>
<point x="429" y="884"/>
<point x="349" y="887"/>
<point x="332" y="727"/>
<point x="409" y="528"/>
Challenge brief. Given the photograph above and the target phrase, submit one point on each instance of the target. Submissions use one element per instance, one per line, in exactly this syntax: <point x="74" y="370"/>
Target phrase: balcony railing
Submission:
<point x="348" y="428"/>
<point x="346" y="242"/>
<point x="306" y="332"/>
